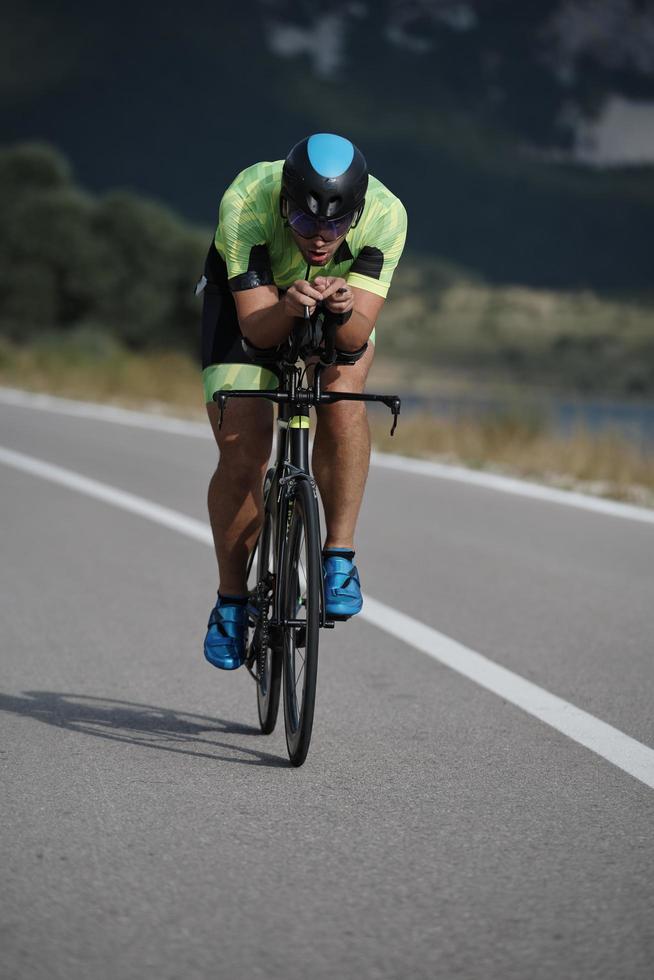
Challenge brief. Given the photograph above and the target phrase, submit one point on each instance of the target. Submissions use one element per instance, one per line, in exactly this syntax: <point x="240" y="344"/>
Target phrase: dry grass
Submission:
<point x="517" y="443"/>
<point x="603" y="464"/>
<point x="163" y="380"/>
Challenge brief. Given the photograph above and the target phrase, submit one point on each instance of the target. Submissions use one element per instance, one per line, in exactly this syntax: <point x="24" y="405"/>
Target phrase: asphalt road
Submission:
<point x="436" y="830"/>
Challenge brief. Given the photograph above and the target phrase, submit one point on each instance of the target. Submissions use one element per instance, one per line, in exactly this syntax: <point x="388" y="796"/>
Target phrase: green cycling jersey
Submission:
<point x="258" y="247"/>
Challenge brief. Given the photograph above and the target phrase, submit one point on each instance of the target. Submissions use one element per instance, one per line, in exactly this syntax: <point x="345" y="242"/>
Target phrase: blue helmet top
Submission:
<point x="329" y="155"/>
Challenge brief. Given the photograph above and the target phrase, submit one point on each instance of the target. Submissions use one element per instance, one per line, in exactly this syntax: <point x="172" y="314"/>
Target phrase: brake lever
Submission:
<point x="222" y="401"/>
<point x="394" y="404"/>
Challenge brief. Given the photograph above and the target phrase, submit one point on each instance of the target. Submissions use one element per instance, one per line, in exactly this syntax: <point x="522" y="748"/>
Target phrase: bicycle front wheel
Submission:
<point x="302" y="590"/>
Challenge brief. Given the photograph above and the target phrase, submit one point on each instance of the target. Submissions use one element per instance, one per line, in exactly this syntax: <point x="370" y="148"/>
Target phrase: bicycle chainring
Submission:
<point x="261" y="639"/>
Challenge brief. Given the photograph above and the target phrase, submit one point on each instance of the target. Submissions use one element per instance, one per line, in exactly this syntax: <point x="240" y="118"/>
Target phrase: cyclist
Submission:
<point x="313" y="229"/>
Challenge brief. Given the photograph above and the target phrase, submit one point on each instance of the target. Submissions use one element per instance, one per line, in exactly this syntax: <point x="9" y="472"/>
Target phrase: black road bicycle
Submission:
<point x="286" y="607"/>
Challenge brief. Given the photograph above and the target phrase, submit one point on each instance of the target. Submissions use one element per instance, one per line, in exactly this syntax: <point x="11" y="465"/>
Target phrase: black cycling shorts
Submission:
<point x="224" y="362"/>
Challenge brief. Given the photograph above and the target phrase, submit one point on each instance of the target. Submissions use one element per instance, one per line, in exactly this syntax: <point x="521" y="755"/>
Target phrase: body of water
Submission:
<point x="632" y="421"/>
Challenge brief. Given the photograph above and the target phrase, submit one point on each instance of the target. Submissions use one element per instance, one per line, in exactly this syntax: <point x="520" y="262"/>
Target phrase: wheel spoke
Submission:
<point x="298" y="673"/>
<point x="297" y="678"/>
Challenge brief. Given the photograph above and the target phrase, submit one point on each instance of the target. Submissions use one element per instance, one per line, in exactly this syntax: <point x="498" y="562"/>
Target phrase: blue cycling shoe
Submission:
<point x="226" y="639"/>
<point x="342" y="587"/>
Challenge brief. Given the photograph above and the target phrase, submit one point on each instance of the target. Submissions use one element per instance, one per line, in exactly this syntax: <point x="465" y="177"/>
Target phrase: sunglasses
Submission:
<point x="308" y="226"/>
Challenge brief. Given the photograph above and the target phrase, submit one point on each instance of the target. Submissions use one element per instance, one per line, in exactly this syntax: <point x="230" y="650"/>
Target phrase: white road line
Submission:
<point x="420" y="467"/>
<point x="507" y="484"/>
<point x="620" y="749"/>
<point x="611" y="744"/>
<point x="104" y="413"/>
<point x="172" y="519"/>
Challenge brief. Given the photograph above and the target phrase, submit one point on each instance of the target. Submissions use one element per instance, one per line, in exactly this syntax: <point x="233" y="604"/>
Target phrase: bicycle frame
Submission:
<point x="291" y="465"/>
<point x="292" y="444"/>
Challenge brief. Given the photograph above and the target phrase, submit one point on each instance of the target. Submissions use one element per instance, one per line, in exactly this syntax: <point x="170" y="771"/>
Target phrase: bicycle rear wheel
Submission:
<point x="265" y="648"/>
<point x="302" y="589"/>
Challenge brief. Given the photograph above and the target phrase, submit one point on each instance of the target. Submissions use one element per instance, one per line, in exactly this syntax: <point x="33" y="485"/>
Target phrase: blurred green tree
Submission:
<point x="67" y="259"/>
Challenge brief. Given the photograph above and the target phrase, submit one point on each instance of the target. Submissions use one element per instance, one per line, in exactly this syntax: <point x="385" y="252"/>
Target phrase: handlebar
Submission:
<point x="310" y="397"/>
<point x="304" y="341"/>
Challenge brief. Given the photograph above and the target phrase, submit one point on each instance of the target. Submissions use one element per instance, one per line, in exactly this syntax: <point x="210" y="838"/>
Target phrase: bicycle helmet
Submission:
<point x="325" y="178"/>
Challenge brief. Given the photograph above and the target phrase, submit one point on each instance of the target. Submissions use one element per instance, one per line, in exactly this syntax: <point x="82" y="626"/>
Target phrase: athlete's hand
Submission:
<point x="299" y="295"/>
<point x="336" y="294"/>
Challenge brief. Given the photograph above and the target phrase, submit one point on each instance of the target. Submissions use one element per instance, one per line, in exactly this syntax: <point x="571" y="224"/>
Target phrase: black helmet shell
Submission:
<point x="325" y="175"/>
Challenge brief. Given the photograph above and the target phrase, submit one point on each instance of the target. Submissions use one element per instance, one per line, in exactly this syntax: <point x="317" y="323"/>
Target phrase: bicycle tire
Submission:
<point x="268" y="659"/>
<point x="301" y="596"/>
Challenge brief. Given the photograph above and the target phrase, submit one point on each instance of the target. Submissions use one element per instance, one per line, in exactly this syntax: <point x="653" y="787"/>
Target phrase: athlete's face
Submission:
<point x="317" y="250"/>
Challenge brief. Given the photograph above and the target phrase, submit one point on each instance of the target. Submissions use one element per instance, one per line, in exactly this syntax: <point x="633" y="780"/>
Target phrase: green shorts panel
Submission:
<point x="226" y="377"/>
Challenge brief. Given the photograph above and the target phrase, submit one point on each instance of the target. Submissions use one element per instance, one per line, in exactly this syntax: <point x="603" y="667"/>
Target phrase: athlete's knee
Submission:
<point x="338" y="417"/>
<point x="245" y="438"/>
<point x="349" y="377"/>
<point x="244" y="460"/>
<point x="248" y="443"/>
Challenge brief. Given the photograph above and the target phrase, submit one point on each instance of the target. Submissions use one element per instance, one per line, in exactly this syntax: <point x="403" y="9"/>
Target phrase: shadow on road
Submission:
<point x="140" y="724"/>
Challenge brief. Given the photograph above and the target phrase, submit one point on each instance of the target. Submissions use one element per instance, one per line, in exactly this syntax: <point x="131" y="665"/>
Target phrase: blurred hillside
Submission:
<point x="443" y="319"/>
<point x="469" y="111"/>
<point x="86" y="276"/>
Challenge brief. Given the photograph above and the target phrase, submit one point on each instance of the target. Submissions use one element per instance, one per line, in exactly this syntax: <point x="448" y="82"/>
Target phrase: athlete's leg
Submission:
<point x="341" y="451"/>
<point x="236" y="488"/>
<point x="235" y="491"/>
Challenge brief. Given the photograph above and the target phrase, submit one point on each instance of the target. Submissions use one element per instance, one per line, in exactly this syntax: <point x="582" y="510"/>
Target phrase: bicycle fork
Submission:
<point x="294" y="459"/>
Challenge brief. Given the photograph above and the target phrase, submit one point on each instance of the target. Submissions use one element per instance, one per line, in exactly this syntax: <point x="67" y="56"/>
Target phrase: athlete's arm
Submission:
<point x="338" y="297"/>
<point x="356" y="332"/>
<point x="265" y="319"/>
